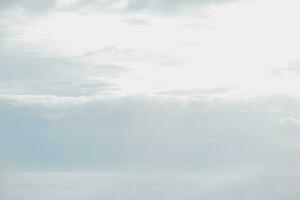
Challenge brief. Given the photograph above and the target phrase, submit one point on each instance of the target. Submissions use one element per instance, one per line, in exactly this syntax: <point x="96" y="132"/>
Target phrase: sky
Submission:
<point x="149" y="99"/>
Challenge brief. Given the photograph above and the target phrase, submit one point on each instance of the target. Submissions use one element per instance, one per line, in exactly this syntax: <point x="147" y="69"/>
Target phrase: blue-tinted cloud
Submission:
<point x="34" y="74"/>
<point x="32" y="6"/>
<point x="156" y="6"/>
<point x="142" y="133"/>
<point x="168" y="6"/>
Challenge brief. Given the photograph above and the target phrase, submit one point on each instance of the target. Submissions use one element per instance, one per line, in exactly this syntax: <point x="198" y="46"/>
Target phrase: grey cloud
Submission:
<point x="146" y="133"/>
<point x="33" y="6"/>
<point x="274" y="183"/>
<point x="94" y="5"/>
<point x="149" y="148"/>
<point x="108" y="185"/>
<point x="45" y="6"/>
<point x="38" y="75"/>
<point x="156" y="6"/>
<point x="168" y="6"/>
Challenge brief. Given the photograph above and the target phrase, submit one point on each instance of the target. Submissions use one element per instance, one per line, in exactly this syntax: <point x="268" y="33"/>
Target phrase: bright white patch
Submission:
<point x="238" y="45"/>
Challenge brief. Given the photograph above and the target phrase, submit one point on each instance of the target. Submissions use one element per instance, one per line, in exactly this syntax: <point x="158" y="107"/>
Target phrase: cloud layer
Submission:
<point x="157" y="6"/>
<point x="265" y="185"/>
<point x="148" y="133"/>
<point x="140" y="99"/>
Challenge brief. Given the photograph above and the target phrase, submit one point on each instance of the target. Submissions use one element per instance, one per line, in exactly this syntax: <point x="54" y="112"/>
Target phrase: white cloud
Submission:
<point x="247" y="47"/>
<point x="200" y="103"/>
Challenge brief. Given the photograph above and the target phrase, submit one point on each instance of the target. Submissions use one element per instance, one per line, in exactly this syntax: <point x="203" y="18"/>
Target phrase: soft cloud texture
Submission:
<point x="169" y="6"/>
<point x="267" y="184"/>
<point x="29" y="5"/>
<point x="158" y="6"/>
<point x="148" y="133"/>
<point x="140" y="99"/>
<point x="60" y="76"/>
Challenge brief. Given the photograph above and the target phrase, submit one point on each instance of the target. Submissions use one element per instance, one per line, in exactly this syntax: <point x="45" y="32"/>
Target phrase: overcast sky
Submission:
<point x="149" y="99"/>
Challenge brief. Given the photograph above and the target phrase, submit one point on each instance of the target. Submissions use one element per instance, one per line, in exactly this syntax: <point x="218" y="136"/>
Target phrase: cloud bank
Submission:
<point x="145" y="133"/>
